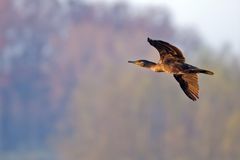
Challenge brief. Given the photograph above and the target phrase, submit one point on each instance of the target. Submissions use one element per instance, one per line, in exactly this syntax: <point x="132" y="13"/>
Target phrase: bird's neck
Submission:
<point x="157" y="68"/>
<point x="153" y="66"/>
<point x="149" y="64"/>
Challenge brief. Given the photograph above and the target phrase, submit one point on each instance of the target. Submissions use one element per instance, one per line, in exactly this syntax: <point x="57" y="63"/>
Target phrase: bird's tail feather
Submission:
<point x="199" y="71"/>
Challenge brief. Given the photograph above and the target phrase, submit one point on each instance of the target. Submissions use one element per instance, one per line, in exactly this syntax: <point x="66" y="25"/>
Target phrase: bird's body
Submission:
<point x="172" y="61"/>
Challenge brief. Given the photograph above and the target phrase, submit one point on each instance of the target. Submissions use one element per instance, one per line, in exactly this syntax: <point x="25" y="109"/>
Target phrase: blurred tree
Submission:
<point x="64" y="79"/>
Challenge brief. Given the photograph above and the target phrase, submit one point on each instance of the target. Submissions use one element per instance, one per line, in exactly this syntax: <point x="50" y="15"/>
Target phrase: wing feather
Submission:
<point x="189" y="84"/>
<point x="165" y="48"/>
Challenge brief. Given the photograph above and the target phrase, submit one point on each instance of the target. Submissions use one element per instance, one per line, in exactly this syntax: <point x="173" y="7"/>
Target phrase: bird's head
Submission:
<point x="138" y="62"/>
<point x="143" y="63"/>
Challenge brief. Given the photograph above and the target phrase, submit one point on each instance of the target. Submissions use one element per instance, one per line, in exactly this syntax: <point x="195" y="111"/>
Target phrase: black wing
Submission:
<point x="189" y="84"/>
<point x="165" y="49"/>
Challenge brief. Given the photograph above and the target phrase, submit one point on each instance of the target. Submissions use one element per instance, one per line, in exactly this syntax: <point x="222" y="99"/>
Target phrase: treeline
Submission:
<point x="65" y="83"/>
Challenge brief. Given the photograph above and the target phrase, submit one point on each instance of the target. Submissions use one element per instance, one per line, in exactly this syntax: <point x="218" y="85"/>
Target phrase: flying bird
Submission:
<point x="172" y="61"/>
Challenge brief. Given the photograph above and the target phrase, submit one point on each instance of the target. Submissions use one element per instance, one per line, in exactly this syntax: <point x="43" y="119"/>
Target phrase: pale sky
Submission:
<point x="218" y="21"/>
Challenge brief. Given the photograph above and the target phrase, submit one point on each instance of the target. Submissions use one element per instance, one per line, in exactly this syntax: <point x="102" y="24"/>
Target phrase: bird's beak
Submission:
<point x="131" y="62"/>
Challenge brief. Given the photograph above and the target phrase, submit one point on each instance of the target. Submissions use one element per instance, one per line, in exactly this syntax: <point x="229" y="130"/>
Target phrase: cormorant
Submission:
<point x="172" y="61"/>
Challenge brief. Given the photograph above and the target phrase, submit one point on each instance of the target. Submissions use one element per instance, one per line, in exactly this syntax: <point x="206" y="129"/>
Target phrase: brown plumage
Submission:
<point x="172" y="61"/>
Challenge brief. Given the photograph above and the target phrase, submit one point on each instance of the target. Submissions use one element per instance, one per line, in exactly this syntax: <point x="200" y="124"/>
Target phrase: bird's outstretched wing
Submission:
<point x="189" y="84"/>
<point x="165" y="50"/>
